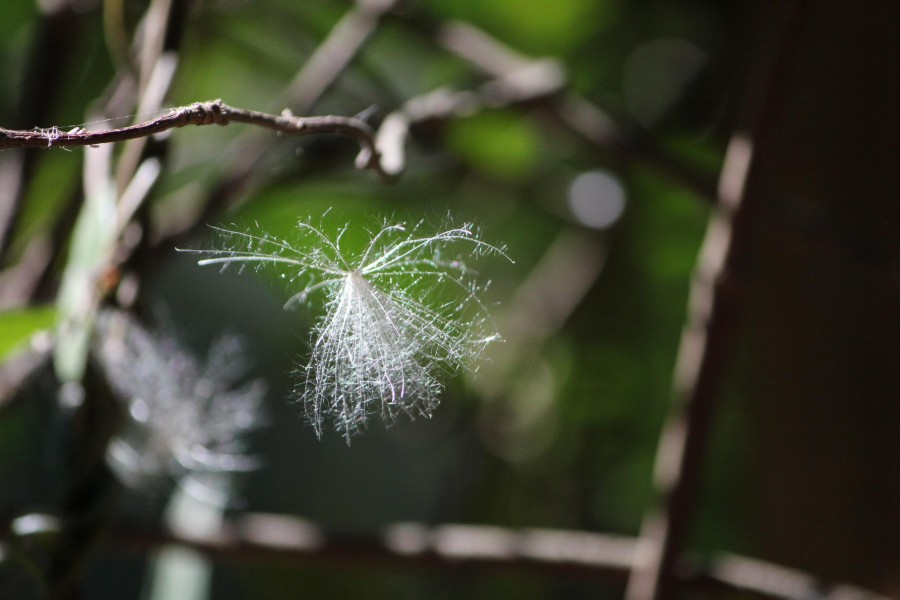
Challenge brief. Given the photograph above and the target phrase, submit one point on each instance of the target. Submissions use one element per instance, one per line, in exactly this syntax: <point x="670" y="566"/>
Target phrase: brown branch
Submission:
<point x="708" y="341"/>
<point x="255" y="537"/>
<point x="214" y="112"/>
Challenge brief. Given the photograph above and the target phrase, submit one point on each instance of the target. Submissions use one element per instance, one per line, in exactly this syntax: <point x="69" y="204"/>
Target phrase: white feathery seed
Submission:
<point x="396" y="313"/>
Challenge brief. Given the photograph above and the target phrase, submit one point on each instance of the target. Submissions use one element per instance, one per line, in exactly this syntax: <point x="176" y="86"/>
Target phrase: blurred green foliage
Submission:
<point x="497" y="144"/>
<point x="18" y="326"/>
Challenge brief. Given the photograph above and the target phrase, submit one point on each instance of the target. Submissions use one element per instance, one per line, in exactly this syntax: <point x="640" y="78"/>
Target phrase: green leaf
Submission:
<point x="499" y="144"/>
<point x="17" y="327"/>
<point x="93" y="241"/>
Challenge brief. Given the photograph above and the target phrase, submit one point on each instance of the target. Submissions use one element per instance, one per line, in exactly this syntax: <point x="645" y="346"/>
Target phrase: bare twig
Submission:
<point x="214" y="112"/>
<point x="290" y="540"/>
<point x="537" y="81"/>
<point x="707" y="344"/>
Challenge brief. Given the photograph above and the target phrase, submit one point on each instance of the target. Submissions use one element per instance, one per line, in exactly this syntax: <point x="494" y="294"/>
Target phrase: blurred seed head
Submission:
<point x="183" y="415"/>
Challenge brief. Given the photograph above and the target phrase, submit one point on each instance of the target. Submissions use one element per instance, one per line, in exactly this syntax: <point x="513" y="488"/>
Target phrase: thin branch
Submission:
<point x="256" y="537"/>
<point x="707" y="342"/>
<point x="214" y="112"/>
<point x="538" y="81"/>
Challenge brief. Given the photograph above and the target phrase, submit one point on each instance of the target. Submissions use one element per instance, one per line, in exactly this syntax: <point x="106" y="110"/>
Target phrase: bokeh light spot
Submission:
<point x="597" y="199"/>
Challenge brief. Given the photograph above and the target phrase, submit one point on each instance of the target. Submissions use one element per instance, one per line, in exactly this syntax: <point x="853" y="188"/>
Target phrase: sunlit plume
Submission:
<point x="397" y="312"/>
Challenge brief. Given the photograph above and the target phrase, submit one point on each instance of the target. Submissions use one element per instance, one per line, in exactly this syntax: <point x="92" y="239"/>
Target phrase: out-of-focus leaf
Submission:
<point x="48" y="188"/>
<point x="669" y="229"/>
<point x="703" y="153"/>
<point x="498" y="144"/>
<point x="13" y="33"/>
<point x="16" y="13"/>
<point x="534" y="26"/>
<point x="17" y="326"/>
<point x="92" y="242"/>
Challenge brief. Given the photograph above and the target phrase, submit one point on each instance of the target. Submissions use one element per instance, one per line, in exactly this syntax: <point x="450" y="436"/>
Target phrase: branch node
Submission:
<point x="210" y="113"/>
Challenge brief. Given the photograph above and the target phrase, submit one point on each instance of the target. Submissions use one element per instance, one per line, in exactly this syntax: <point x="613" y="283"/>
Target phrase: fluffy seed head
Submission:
<point x="397" y="311"/>
<point x="185" y="415"/>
